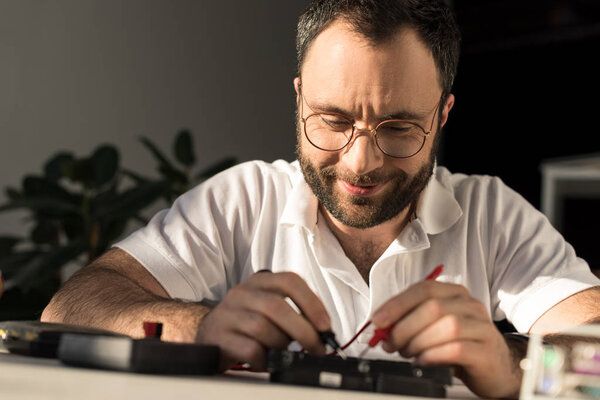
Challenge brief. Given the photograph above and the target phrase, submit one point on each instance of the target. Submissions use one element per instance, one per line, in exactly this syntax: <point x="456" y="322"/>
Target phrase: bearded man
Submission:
<point x="352" y="228"/>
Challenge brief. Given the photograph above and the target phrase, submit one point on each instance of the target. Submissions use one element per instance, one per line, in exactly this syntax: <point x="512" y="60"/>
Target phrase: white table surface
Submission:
<point x="35" y="378"/>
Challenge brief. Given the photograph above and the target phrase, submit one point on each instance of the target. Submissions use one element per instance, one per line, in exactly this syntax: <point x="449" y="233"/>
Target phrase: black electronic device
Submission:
<point x="150" y="355"/>
<point x="358" y="374"/>
<point x="39" y="339"/>
<point x="98" y="348"/>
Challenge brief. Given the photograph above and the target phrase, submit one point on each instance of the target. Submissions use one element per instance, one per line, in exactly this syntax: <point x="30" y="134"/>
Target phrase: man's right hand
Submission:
<point x="255" y="316"/>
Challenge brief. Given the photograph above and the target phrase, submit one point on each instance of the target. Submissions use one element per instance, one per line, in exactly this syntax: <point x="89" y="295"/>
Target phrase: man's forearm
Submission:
<point x="517" y="346"/>
<point x="106" y="299"/>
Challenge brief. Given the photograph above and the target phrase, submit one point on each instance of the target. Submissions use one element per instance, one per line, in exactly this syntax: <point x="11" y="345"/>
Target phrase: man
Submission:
<point x="351" y="230"/>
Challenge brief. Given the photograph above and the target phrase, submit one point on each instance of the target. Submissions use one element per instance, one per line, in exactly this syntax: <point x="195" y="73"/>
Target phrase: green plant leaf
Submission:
<point x="158" y="155"/>
<point x="73" y="227"/>
<point x="7" y="243"/>
<point x="39" y="186"/>
<point x="105" y="163"/>
<point x="129" y="203"/>
<point x="217" y="167"/>
<point x="173" y="176"/>
<point x="54" y="169"/>
<point x="58" y="207"/>
<point x="183" y="148"/>
<point x="165" y="167"/>
<point x="12" y="193"/>
<point x="107" y="195"/>
<point x="46" y="231"/>
<point x="80" y="170"/>
<point x="134" y="176"/>
<point x="9" y="263"/>
<point x="39" y="269"/>
<point x="113" y="231"/>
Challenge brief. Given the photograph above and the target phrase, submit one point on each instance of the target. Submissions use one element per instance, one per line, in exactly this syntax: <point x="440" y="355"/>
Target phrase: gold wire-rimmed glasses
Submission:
<point x="396" y="138"/>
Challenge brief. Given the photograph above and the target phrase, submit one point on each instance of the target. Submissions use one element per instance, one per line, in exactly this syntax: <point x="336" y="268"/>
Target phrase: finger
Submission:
<point x="261" y="329"/>
<point x="237" y="348"/>
<point x="486" y="375"/>
<point x="289" y="284"/>
<point x="474" y="356"/>
<point x="398" y="306"/>
<point x="453" y="353"/>
<point x="276" y="310"/>
<point x="432" y="310"/>
<point x="450" y="328"/>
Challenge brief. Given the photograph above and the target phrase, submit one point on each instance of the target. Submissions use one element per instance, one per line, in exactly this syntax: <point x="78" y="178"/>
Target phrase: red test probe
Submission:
<point x="382" y="333"/>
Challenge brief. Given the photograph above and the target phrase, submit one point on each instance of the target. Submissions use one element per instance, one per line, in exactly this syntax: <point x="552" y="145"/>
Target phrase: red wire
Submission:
<point x="357" y="334"/>
<point x="380" y="334"/>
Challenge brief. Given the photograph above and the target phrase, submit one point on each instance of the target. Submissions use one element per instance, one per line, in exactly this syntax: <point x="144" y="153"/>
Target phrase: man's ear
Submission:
<point x="297" y="84"/>
<point x="446" y="110"/>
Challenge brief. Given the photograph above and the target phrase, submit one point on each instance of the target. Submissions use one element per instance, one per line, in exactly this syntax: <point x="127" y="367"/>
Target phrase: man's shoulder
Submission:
<point x="248" y="181"/>
<point x="478" y="188"/>
<point x="257" y="171"/>
<point x="461" y="182"/>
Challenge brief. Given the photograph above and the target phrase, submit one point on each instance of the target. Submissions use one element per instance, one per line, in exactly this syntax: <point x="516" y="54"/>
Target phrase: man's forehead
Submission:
<point x="342" y="65"/>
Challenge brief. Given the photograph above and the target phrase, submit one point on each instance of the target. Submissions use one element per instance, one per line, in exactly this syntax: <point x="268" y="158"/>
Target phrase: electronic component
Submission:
<point x="97" y="348"/>
<point x="39" y="339"/>
<point x="329" y="338"/>
<point x="382" y="333"/>
<point x="554" y="371"/>
<point x="397" y="377"/>
<point x="150" y="355"/>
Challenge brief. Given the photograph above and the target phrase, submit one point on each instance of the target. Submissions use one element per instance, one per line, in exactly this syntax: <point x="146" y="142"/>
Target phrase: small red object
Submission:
<point x="152" y="329"/>
<point x="379" y="335"/>
<point x="382" y="333"/>
<point x="435" y="273"/>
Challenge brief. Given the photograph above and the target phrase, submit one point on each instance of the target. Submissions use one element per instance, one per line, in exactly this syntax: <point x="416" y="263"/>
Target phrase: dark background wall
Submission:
<point x="527" y="90"/>
<point x="78" y="73"/>
<point x="75" y="74"/>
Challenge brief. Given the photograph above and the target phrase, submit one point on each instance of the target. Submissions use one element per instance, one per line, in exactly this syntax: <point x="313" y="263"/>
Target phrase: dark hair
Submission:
<point x="379" y="20"/>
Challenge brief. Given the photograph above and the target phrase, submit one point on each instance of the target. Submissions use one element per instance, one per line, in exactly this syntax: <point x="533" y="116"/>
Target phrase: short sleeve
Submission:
<point x="196" y="248"/>
<point x="532" y="266"/>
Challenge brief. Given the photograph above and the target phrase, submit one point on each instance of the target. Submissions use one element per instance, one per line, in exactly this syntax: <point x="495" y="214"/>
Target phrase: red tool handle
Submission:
<point x="382" y="333"/>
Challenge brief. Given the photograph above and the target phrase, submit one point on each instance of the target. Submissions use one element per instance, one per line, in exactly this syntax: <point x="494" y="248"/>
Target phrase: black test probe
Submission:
<point x="328" y="337"/>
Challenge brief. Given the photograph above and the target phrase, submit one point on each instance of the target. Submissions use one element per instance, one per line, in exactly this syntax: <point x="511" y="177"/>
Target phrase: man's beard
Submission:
<point x="365" y="212"/>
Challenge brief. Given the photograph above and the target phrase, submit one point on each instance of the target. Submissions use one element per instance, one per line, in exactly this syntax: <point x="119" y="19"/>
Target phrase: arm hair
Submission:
<point x="117" y="293"/>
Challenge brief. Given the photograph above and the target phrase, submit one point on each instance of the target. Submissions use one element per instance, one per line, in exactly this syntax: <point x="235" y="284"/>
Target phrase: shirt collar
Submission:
<point x="438" y="210"/>
<point x="302" y="205"/>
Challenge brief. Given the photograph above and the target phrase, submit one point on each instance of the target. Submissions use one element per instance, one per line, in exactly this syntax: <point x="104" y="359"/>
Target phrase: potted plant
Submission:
<point x="77" y="207"/>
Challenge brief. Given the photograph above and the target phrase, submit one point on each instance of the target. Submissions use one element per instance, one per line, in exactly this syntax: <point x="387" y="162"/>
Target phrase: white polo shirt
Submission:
<point x="264" y="216"/>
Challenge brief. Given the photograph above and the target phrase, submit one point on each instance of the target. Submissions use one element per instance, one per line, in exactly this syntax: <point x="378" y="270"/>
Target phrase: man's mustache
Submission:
<point x="370" y="179"/>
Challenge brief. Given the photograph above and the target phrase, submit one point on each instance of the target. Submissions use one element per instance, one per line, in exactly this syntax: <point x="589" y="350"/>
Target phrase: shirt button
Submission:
<point x="414" y="237"/>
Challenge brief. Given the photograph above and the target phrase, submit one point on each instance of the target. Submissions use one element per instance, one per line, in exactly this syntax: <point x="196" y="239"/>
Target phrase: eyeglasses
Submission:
<point x="396" y="138"/>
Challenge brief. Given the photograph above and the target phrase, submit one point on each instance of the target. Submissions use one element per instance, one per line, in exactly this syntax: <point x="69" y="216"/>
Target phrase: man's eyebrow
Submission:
<point x="400" y="114"/>
<point x="328" y="108"/>
<point x="404" y="114"/>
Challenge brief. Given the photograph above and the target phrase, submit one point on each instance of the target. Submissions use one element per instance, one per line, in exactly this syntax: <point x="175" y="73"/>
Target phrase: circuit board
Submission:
<point x="396" y="377"/>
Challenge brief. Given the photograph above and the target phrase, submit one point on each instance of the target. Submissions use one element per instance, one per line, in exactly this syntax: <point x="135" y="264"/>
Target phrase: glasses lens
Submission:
<point x="328" y="131"/>
<point x="400" y="138"/>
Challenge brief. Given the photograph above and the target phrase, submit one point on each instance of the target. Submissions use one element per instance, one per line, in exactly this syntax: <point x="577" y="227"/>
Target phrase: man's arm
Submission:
<point x="578" y="309"/>
<point x="117" y="293"/>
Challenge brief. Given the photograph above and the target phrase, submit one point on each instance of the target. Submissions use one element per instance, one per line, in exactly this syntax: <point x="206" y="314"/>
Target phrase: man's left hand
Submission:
<point x="442" y="324"/>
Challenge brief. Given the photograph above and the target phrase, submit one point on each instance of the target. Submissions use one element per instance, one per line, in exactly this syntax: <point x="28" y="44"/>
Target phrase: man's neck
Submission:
<point x="382" y="233"/>
<point x="364" y="246"/>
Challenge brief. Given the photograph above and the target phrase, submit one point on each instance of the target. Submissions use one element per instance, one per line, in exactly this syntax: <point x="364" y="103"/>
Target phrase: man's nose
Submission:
<point x="362" y="155"/>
